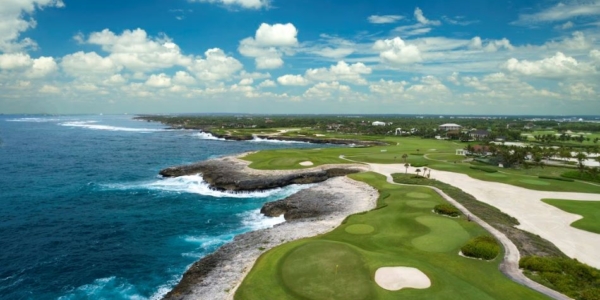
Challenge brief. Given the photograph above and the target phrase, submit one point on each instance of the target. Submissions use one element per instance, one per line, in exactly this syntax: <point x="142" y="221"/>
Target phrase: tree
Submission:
<point x="418" y="171"/>
<point x="580" y="158"/>
<point x="406" y="166"/>
<point x="404" y="157"/>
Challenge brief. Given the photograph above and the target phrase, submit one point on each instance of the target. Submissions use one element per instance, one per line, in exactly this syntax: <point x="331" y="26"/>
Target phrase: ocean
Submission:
<point x="84" y="215"/>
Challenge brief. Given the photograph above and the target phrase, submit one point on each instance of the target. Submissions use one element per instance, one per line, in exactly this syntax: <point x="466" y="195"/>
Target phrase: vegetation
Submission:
<point x="341" y="264"/>
<point x="483" y="247"/>
<point x="447" y="209"/>
<point x="567" y="276"/>
<point x="488" y="170"/>
<point x="556" y="178"/>
<point x="589" y="210"/>
<point x="591" y="175"/>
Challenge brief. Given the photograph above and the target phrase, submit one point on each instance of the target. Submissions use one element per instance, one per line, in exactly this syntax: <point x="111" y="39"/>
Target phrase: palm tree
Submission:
<point x="580" y="158"/>
<point x="404" y="157"/>
<point x="418" y="171"/>
<point x="406" y="166"/>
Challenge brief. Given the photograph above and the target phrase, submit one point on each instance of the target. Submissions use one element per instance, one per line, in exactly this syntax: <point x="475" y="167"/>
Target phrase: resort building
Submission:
<point x="377" y="123"/>
<point x="450" y="127"/>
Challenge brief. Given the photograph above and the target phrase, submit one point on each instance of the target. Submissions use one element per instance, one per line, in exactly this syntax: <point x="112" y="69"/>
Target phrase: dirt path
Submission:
<point x="510" y="264"/>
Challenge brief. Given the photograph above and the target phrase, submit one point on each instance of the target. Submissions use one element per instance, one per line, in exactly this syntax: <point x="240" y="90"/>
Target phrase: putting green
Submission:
<point x="327" y="270"/>
<point x="446" y="235"/>
<point x="497" y="175"/>
<point x="360" y="229"/>
<point x="418" y="195"/>
<point x="421" y="204"/>
<point x="534" y="182"/>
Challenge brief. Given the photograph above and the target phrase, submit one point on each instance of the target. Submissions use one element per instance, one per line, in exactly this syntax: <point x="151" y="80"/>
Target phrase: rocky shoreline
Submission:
<point x="305" y="139"/>
<point x="310" y="212"/>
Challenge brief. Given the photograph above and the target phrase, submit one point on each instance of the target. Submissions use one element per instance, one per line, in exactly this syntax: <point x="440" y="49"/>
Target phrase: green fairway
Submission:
<point x="403" y="231"/>
<point x="419" y="153"/>
<point x="589" y="210"/>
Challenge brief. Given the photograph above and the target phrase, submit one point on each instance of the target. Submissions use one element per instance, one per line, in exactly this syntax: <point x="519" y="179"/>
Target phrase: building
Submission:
<point x="377" y="123"/>
<point x="450" y="127"/>
<point x="479" y="134"/>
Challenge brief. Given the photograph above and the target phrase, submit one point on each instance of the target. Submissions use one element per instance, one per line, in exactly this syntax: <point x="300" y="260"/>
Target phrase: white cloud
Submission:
<point x="397" y="52"/>
<point x="561" y="12"/>
<point x="565" y="26"/>
<point x="269" y="44"/>
<point x="428" y="85"/>
<point x="292" y="80"/>
<point x="334" y="53"/>
<point x="328" y="90"/>
<point x="42" y="67"/>
<point x="183" y="78"/>
<point x="340" y="72"/>
<point x="134" y="50"/>
<point x="277" y="35"/>
<point x="82" y="64"/>
<point x="595" y="55"/>
<point x="216" y="66"/>
<point x="13" y="22"/>
<point x="116" y="79"/>
<point x="267" y="83"/>
<point x="577" y="41"/>
<point x="248" y="4"/>
<point x="491" y="45"/>
<point x="159" y="81"/>
<point x="15" y="61"/>
<point x="49" y="89"/>
<point x="557" y="66"/>
<point x="246" y="81"/>
<point x="388" y="87"/>
<point x="385" y="19"/>
<point x="423" y="20"/>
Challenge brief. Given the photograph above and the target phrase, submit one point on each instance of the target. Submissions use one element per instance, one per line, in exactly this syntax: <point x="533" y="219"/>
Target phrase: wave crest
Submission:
<point x="92" y="125"/>
<point x="207" y="136"/>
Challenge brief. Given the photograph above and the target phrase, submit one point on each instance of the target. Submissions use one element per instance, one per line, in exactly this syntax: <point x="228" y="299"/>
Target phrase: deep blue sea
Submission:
<point x="83" y="214"/>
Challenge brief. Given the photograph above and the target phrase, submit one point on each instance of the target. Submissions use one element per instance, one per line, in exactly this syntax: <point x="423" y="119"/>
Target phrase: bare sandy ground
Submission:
<point x="525" y="205"/>
<point x="397" y="278"/>
<point x="222" y="282"/>
<point x="306" y="163"/>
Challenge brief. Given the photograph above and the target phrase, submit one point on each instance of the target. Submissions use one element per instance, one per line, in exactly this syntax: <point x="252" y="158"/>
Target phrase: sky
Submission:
<point x="300" y="56"/>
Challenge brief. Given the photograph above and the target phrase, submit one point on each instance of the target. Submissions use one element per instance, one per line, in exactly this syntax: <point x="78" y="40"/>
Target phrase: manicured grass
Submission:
<point x="341" y="265"/>
<point x="589" y="210"/>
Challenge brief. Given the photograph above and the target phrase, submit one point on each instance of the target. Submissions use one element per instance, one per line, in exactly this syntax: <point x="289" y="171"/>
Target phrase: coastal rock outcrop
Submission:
<point x="232" y="175"/>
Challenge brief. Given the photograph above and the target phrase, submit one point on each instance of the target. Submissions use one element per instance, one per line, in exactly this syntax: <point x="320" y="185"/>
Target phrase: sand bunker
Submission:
<point x="306" y="163"/>
<point x="397" y="278"/>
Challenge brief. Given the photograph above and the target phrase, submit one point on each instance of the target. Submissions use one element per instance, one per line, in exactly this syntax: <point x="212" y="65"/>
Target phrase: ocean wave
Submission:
<point x="92" y="125"/>
<point x="261" y="140"/>
<point x="195" y="184"/>
<point x="105" y="288"/>
<point x="207" y="136"/>
<point x="33" y="120"/>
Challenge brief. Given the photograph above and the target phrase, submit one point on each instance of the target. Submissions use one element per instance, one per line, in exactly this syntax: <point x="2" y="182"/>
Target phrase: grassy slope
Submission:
<point x="590" y="211"/>
<point x="406" y="233"/>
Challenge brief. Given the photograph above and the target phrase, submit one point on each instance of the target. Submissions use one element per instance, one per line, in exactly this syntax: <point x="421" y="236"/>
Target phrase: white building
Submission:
<point x="449" y="127"/>
<point x="377" y="123"/>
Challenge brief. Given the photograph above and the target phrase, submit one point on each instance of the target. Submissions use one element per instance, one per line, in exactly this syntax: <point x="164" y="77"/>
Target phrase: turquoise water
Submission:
<point x="83" y="214"/>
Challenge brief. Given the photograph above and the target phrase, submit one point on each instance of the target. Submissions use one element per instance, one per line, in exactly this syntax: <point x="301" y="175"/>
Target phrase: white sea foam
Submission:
<point x="261" y="140"/>
<point x="92" y="125"/>
<point x="195" y="184"/>
<point x="105" y="288"/>
<point x="207" y="136"/>
<point x="254" y="220"/>
<point x="33" y="120"/>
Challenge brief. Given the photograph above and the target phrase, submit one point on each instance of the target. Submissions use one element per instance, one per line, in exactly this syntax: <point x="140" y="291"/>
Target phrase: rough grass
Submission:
<point x="447" y="209"/>
<point x="305" y="270"/>
<point x="589" y="210"/>
<point x="567" y="276"/>
<point x="580" y="176"/>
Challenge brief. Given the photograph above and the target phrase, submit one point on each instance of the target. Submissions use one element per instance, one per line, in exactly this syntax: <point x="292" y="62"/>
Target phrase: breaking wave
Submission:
<point x="92" y="125"/>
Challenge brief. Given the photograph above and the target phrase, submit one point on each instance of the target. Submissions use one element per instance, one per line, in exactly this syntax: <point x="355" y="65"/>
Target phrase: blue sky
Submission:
<point x="332" y="56"/>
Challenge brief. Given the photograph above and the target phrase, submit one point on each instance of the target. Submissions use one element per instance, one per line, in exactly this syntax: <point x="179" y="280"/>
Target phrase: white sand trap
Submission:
<point x="319" y="135"/>
<point x="306" y="163"/>
<point x="397" y="278"/>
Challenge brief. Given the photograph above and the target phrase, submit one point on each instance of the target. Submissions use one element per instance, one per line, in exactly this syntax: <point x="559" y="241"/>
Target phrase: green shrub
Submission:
<point x="419" y="165"/>
<point x="447" y="209"/>
<point x="566" y="275"/>
<point x="418" y="154"/>
<point x="484" y="169"/>
<point x="484" y="247"/>
<point x="556" y="178"/>
<point x="580" y="176"/>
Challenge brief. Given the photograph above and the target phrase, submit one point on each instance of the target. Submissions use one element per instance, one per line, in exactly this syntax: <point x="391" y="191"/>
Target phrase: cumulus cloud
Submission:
<point x="388" y="87"/>
<point x="561" y="12"/>
<point x="297" y="80"/>
<point x="328" y="90"/>
<point x="340" y="72"/>
<point x="397" y="52"/>
<point x="20" y="64"/>
<point x="595" y="55"/>
<point x="183" y="78"/>
<point x="216" y="66"/>
<point x="557" y="66"/>
<point x="136" y="51"/>
<point x="385" y="19"/>
<point x="269" y="44"/>
<point x="13" y="22"/>
<point x="267" y="83"/>
<point x="49" y="89"/>
<point x="15" y="61"/>
<point x="247" y="4"/>
<point x="491" y="45"/>
<point x="577" y="41"/>
<point x="83" y="64"/>
<point x="159" y="81"/>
